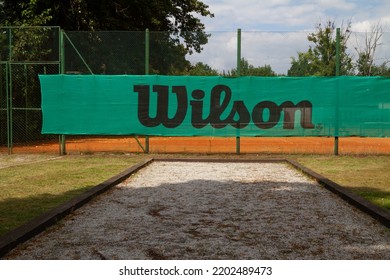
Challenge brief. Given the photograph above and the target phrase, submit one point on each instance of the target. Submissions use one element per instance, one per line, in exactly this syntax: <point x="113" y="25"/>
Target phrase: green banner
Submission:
<point x="215" y="106"/>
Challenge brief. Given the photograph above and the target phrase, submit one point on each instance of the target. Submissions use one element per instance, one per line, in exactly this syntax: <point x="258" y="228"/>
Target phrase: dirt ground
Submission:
<point x="287" y="145"/>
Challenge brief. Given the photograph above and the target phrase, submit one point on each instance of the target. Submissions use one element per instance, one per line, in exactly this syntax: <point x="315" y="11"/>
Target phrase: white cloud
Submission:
<point x="259" y="48"/>
<point x="289" y="14"/>
<point x="335" y="4"/>
<point x="366" y="25"/>
<point x="275" y="47"/>
<point x="255" y="15"/>
<point x="362" y="26"/>
<point x="220" y="52"/>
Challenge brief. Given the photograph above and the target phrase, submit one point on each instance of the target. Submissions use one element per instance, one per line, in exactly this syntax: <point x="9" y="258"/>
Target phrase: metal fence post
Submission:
<point x="9" y="110"/>
<point x="336" y="138"/>
<point x="147" y="53"/>
<point x="238" y="139"/>
<point x="9" y="94"/>
<point x="62" y="138"/>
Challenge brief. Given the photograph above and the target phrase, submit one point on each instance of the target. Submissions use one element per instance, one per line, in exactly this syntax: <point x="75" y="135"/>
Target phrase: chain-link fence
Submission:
<point x="118" y="53"/>
<point x="26" y="52"/>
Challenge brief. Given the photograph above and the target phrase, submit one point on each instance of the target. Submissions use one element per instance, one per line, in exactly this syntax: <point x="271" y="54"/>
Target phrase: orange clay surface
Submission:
<point x="282" y="145"/>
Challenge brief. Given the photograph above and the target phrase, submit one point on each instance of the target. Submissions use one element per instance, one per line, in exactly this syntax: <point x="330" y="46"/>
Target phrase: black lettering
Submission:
<point x="143" y="106"/>
<point x="197" y="119"/>
<point x="239" y="110"/>
<point x="220" y="98"/>
<point x="218" y="105"/>
<point x="181" y="111"/>
<point x="162" y="106"/>
<point x="216" y="108"/>
<point x="258" y="114"/>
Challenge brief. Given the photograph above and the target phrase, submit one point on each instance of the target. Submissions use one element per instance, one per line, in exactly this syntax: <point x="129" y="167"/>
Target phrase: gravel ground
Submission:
<point x="176" y="210"/>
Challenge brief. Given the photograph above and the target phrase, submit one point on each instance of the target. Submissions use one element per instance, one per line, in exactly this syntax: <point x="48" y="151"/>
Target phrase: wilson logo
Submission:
<point x="265" y="114"/>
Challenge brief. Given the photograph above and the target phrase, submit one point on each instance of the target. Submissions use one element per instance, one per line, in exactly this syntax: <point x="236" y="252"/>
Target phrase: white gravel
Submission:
<point x="177" y="210"/>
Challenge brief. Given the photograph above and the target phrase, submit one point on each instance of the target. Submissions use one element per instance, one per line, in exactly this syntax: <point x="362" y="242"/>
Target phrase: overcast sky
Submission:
<point x="275" y="30"/>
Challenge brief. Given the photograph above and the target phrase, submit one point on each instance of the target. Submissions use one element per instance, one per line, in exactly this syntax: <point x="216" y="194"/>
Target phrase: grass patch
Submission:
<point x="29" y="190"/>
<point x="369" y="176"/>
<point x="15" y="159"/>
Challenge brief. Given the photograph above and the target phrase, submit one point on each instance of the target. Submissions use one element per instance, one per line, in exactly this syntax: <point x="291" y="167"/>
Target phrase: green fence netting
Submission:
<point x="215" y="106"/>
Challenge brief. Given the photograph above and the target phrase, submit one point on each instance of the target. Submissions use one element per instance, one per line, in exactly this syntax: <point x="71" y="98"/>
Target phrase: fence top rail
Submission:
<point x="30" y="62"/>
<point x="27" y="26"/>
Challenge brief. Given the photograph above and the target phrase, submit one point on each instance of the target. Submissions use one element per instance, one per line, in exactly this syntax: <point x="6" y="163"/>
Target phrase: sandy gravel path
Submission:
<point x="177" y="210"/>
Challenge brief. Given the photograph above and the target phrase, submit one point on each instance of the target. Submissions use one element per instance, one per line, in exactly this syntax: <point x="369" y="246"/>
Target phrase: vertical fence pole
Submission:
<point x="11" y="121"/>
<point x="62" y="51"/>
<point x="62" y="138"/>
<point x="9" y="118"/>
<point x="25" y="99"/>
<point x="147" y="53"/>
<point x="336" y="138"/>
<point x="2" y="92"/>
<point x="9" y="93"/>
<point x="238" y="139"/>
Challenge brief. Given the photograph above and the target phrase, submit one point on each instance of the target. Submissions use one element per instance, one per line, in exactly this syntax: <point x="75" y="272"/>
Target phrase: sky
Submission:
<point x="273" y="31"/>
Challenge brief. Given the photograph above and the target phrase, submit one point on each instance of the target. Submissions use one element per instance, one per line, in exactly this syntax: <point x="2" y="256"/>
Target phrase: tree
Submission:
<point x="303" y="65"/>
<point x="320" y="59"/>
<point x="182" y="32"/>
<point x="365" y="63"/>
<point x="250" y="70"/>
<point x="23" y="13"/>
<point x="178" y="17"/>
<point x="27" y="44"/>
<point x="381" y="70"/>
<point x="202" y="69"/>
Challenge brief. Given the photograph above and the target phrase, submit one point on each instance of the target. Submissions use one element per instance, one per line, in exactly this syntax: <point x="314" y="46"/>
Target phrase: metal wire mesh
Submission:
<point x="26" y="101"/>
<point x="113" y="52"/>
<point x="25" y="53"/>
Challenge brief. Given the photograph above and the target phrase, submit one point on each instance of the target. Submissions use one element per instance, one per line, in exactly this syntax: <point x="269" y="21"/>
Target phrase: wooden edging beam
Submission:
<point x="222" y="160"/>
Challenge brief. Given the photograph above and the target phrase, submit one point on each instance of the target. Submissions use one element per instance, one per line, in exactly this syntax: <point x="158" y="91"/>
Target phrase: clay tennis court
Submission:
<point x="293" y="145"/>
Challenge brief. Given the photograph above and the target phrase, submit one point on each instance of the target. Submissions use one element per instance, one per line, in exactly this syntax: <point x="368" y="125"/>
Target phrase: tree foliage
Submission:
<point x="365" y="65"/>
<point x="320" y="59"/>
<point x="302" y="65"/>
<point x="23" y="13"/>
<point x="202" y="69"/>
<point x="182" y="31"/>
<point x="178" y="17"/>
<point x="250" y="70"/>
